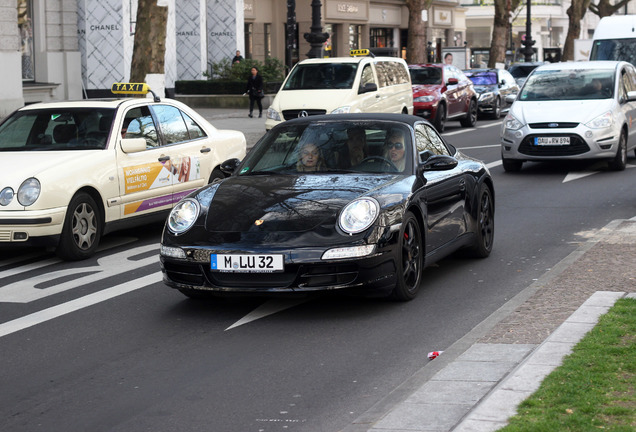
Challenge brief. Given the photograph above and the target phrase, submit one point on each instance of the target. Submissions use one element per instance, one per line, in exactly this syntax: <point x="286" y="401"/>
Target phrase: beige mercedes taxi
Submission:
<point x="74" y="171"/>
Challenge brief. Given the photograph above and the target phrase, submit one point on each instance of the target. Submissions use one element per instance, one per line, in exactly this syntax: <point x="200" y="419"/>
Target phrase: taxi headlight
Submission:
<point x="29" y="191"/>
<point x="358" y="215"/>
<point x="603" y="121"/>
<point x="273" y="114"/>
<point x="510" y="122"/>
<point x="342" y="110"/>
<point x="424" y="99"/>
<point x="183" y="216"/>
<point x="6" y="196"/>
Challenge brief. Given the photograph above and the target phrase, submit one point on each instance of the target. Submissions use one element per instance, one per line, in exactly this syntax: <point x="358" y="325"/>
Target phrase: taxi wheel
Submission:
<point x="410" y="260"/>
<point x="485" y="230"/>
<point x="82" y="229"/>
<point x="620" y="160"/>
<point x="216" y="174"/>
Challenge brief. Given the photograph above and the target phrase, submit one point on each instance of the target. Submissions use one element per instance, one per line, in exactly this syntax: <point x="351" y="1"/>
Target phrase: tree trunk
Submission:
<point x="416" y="44"/>
<point x="149" y="49"/>
<point x="606" y="8"/>
<point x="575" y="12"/>
<point x="501" y="30"/>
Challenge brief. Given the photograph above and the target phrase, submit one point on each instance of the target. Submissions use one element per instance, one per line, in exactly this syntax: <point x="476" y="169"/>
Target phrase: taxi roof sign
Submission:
<point x="360" y="52"/>
<point x="132" y="88"/>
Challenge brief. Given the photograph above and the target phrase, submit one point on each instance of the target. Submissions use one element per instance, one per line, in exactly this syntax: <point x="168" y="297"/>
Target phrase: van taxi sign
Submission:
<point x="130" y="88"/>
<point x="358" y="52"/>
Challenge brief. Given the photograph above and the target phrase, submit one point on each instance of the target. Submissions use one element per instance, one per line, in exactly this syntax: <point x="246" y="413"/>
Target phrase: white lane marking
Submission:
<point x="77" y="304"/>
<point x="466" y="130"/>
<point x="580" y="174"/>
<point x="479" y="147"/>
<point x="25" y="290"/>
<point x="493" y="164"/>
<point x="268" y="308"/>
<point x="28" y="267"/>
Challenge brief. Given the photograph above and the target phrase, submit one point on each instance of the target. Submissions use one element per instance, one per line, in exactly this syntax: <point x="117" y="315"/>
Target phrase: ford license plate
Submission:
<point x="552" y="141"/>
<point x="246" y="263"/>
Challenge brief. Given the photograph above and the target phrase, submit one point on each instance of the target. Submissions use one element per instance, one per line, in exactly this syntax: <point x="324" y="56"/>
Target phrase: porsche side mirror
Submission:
<point x="438" y="163"/>
<point x="229" y="166"/>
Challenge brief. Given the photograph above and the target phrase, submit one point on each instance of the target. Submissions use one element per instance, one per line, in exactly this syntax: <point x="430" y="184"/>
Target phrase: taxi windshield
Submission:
<point x="569" y="84"/>
<point x="332" y="147"/>
<point x="322" y="76"/>
<point x="56" y="129"/>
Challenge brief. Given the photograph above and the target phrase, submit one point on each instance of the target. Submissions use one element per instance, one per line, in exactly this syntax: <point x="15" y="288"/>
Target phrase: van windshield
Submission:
<point x="614" y="49"/>
<point x="322" y="76"/>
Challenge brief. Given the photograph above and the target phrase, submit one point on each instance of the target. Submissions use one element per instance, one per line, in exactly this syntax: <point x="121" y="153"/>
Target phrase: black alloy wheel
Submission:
<point x="440" y="118"/>
<point x="410" y="260"/>
<point x="485" y="229"/>
<point x="471" y="116"/>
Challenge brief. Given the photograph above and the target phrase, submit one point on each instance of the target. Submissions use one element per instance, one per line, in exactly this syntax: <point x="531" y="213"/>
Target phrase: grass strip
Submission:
<point x="595" y="386"/>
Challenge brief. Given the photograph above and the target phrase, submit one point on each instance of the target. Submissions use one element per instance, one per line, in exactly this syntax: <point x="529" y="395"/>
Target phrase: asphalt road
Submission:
<point x="103" y="345"/>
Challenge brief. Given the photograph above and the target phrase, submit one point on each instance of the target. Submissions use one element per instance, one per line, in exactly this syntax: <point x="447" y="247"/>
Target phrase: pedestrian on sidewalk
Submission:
<point x="255" y="90"/>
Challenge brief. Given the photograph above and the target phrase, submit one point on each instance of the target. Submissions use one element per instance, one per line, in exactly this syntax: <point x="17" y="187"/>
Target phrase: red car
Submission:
<point x="442" y="92"/>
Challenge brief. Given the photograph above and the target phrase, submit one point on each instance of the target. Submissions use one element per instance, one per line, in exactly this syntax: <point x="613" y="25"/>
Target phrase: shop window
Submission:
<point x="381" y="37"/>
<point x="25" y="28"/>
<point x="355" y="37"/>
<point x="330" y="44"/>
<point x="268" y="39"/>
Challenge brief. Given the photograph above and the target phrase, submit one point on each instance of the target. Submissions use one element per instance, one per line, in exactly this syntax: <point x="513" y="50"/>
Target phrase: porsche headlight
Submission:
<point x="273" y="114"/>
<point x="510" y="122"/>
<point x="424" y="99"/>
<point x="183" y="216"/>
<point x="358" y="215"/>
<point x="603" y="121"/>
<point x="6" y="196"/>
<point x="342" y="110"/>
<point x="29" y="191"/>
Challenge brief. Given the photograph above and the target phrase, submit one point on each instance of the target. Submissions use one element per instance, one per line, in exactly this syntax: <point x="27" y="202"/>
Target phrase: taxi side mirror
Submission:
<point x="133" y="145"/>
<point x="369" y="87"/>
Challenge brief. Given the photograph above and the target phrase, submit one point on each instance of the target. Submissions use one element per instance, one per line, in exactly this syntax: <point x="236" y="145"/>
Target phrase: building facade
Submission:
<point x="73" y="49"/>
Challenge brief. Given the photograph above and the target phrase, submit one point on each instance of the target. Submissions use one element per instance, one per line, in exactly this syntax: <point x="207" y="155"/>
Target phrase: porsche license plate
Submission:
<point x="246" y="263"/>
<point x="552" y="141"/>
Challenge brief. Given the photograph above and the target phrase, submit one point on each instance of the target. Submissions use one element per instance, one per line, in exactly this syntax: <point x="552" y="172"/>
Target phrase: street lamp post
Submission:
<point x="528" y="42"/>
<point x="317" y="37"/>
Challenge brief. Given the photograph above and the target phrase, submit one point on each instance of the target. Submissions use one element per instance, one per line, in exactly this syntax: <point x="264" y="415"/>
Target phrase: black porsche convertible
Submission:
<point x="357" y="202"/>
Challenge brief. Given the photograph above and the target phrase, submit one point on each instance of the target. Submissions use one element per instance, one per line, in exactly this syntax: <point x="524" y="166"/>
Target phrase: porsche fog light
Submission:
<point x="183" y="216"/>
<point x="359" y="215"/>
<point x="6" y="196"/>
<point x="348" y="252"/>
<point x="29" y="191"/>
<point x="172" y="252"/>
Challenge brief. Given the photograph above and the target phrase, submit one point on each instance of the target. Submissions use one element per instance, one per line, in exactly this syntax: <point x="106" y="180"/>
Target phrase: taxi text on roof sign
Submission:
<point x="130" y="88"/>
<point x="358" y="52"/>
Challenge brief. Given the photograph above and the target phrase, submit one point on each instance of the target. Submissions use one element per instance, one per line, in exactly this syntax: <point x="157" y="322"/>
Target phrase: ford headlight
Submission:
<point x="6" y="196"/>
<point x="273" y="114"/>
<point x="510" y="122"/>
<point x="183" y="215"/>
<point x="342" y="110"/>
<point x="29" y="191"/>
<point x="359" y="215"/>
<point x="424" y="99"/>
<point x="603" y="121"/>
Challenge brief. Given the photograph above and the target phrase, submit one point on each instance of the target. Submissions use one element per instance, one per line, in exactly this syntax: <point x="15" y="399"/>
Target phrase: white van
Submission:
<point x="615" y="39"/>
<point x="343" y="85"/>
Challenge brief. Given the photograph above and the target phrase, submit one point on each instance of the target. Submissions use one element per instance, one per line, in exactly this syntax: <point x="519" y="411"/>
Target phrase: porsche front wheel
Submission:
<point x="410" y="260"/>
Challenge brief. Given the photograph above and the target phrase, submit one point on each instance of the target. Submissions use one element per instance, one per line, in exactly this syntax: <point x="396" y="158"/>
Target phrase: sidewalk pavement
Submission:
<point x="476" y="384"/>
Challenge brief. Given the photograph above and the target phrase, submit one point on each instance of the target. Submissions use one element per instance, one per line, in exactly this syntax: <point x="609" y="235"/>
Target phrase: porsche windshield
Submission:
<point x="379" y="147"/>
<point x="322" y="76"/>
<point x="56" y="129"/>
<point x="569" y="84"/>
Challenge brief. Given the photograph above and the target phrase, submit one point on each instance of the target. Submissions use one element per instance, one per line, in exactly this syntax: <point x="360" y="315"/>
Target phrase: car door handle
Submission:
<point x="164" y="158"/>
<point x="462" y="185"/>
<point x="205" y="150"/>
